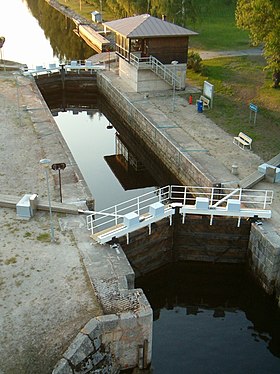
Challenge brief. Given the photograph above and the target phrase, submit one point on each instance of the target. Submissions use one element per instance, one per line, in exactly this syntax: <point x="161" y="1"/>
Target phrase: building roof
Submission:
<point x="146" y="26"/>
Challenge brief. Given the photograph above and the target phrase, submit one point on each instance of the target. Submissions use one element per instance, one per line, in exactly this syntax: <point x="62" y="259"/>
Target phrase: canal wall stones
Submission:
<point x="121" y="338"/>
<point x="264" y="258"/>
<point x="177" y="163"/>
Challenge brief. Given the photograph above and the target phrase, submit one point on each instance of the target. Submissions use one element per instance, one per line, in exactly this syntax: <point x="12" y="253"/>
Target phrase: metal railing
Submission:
<point x="177" y="195"/>
<point x="152" y="63"/>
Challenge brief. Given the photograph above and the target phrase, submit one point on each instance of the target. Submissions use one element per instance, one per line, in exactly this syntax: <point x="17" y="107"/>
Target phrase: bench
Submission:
<point x="242" y="140"/>
<point x="205" y="101"/>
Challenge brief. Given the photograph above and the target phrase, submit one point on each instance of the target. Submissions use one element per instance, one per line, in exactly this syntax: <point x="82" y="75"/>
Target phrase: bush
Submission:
<point x="194" y="62"/>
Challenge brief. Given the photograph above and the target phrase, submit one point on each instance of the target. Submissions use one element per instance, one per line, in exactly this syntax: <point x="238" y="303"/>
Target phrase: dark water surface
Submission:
<point x="207" y="318"/>
<point x="211" y="319"/>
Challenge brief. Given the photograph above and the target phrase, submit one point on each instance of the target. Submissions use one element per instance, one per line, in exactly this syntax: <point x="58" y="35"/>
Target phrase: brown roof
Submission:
<point x="145" y="26"/>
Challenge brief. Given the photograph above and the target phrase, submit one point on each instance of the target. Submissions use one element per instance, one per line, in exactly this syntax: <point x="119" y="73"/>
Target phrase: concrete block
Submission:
<point x="202" y="203"/>
<point x="23" y="207"/>
<point x="79" y="350"/>
<point x="131" y="219"/>
<point x="156" y="209"/>
<point x="62" y="367"/>
<point x="233" y="205"/>
<point x="108" y="322"/>
<point x="92" y="329"/>
<point x="276" y="171"/>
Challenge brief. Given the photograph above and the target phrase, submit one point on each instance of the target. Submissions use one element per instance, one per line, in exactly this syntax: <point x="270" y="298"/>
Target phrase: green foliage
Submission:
<point x="262" y="19"/>
<point x="194" y="61"/>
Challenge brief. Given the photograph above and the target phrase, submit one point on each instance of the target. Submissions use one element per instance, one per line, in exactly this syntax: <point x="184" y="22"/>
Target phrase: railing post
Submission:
<point x="265" y="198"/>
<point x="185" y="195"/>
<point x="116" y="217"/>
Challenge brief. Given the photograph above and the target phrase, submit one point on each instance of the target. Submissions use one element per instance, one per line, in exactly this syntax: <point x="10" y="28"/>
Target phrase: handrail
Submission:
<point x="177" y="195"/>
<point x="157" y="67"/>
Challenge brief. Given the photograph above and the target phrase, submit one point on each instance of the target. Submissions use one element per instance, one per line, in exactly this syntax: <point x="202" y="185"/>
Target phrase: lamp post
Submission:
<point x="19" y="113"/>
<point x="174" y="63"/>
<point x="46" y="163"/>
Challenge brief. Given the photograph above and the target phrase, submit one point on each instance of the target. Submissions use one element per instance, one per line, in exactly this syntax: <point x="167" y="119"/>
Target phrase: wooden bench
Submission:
<point x="206" y="102"/>
<point x="242" y="140"/>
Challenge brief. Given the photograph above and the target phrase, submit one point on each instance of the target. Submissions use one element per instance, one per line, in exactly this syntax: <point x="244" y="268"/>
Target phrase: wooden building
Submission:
<point x="144" y="42"/>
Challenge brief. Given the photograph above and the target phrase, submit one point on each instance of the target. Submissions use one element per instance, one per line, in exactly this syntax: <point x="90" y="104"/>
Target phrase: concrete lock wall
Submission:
<point x="177" y="162"/>
<point x="264" y="259"/>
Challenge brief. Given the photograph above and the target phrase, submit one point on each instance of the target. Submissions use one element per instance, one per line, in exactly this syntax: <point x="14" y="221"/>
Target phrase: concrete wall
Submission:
<point x="145" y="80"/>
<point x="264" y="258"/>
<point x="177" y="163"/>
<point x="141" y="80"/>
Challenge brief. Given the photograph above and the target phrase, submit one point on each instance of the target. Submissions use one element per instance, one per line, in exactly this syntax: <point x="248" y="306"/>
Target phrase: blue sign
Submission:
<point x="253" y="107"/>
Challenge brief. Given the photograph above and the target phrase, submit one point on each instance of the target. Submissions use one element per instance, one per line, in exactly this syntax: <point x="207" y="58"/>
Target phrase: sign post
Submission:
<point x="253" y="108"/>
<point x="60" y="166"/>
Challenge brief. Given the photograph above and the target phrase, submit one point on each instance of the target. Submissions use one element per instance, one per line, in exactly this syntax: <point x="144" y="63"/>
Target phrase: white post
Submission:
<point x="174" y="63"/>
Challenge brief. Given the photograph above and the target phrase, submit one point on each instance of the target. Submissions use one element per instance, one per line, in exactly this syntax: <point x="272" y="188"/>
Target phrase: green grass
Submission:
<point x="216" y="27"/>
<point x="239" y="81"/>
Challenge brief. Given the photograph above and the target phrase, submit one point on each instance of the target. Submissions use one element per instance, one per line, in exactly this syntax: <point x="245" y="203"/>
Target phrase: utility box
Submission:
<point x="96" y="16"/>
<point x="156" y="209"/>
<point x="233" y="205"/>
<point x="27" y="206"/>
<point x="202" y="203"/>
<point x="131" y="219"/>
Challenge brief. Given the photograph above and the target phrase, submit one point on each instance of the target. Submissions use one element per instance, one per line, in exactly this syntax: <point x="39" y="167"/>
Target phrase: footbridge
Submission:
<point x="142" y="211"/>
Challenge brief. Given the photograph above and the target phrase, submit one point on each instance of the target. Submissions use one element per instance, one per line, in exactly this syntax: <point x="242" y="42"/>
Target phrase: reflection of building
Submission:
<point x="130" y="172"/>
<point x="126" y="157"/>
<point x="147" y="46"/>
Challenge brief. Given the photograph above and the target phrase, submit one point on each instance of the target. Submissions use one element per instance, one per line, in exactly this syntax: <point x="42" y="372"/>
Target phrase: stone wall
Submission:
<point x="264" y="258"/>
<point x="177" y="163"/>
<point x="122" y="337"/>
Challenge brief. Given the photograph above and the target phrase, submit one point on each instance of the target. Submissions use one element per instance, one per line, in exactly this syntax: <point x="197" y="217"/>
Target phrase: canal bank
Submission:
<point x="55" y="293"/>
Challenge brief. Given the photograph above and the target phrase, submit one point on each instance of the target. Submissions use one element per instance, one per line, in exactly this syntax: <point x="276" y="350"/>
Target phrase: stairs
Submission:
<point x="164" y="72"/>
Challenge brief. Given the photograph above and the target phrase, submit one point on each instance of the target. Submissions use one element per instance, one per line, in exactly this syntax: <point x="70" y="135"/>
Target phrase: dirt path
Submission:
<point x="206" y="55"/>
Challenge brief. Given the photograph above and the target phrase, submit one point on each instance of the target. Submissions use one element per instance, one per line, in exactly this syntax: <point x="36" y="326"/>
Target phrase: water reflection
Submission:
<point x="58" y="30"/>
<point x="47" y="37"/>
<point x="214" y="319"/>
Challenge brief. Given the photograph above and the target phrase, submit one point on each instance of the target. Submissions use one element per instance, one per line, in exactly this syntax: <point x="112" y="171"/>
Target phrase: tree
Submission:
<point x="262" y="19"/>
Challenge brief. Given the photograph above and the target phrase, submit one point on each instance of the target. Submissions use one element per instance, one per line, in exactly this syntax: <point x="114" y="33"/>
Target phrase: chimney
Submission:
<point x="163" y="17"/>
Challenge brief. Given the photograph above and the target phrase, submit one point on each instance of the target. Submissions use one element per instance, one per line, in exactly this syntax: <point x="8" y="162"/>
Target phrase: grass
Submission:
<point x="239" y="81"/>
<point x="216" y="27"/>
<point x="44" y="237"/>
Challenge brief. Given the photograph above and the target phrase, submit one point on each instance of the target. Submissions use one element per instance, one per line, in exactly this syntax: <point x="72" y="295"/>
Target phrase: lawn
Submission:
<point x="238" y="82"/>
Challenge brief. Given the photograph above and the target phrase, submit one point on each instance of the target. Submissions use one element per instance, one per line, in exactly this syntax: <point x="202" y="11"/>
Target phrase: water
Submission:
<point x="211" y="319"/>
<point x="89" y="141"/>
<point x="207" y="319"/>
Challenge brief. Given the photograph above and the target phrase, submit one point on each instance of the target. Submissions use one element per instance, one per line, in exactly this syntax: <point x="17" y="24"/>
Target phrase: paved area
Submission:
<point x="45" y="293"/>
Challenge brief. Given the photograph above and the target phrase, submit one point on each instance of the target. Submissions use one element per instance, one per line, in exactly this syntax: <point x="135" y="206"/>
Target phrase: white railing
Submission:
<point x="163" y="71"/>
<point x="180" y="196"/>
